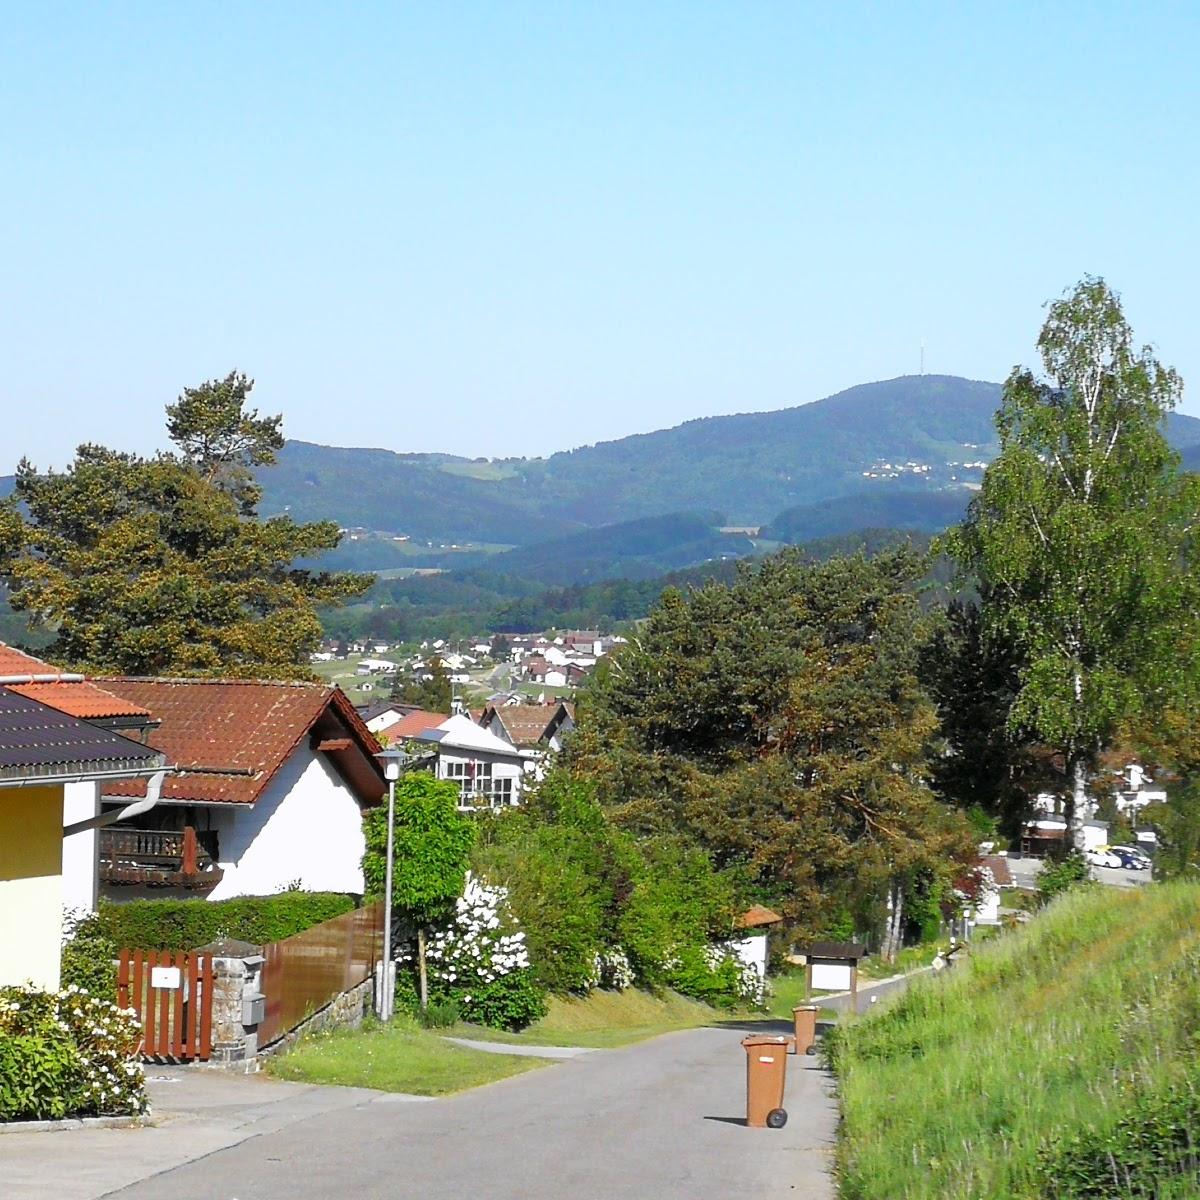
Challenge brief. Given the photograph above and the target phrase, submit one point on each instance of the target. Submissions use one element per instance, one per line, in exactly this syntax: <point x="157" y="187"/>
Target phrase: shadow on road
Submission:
<point x="728" y="1120"/>
<point x="765" y="1025"/>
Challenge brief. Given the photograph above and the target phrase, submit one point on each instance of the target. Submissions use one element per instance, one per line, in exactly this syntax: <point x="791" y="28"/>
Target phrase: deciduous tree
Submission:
<point x="1081" y="532"/>
<point x="431" y="853"/>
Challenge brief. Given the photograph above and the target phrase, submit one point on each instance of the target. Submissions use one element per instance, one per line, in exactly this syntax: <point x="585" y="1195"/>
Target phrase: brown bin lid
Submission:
<point x="763" y="1039"/>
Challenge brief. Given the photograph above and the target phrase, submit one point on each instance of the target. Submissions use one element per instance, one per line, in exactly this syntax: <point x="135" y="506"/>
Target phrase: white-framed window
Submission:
<point x="478" y="786"/>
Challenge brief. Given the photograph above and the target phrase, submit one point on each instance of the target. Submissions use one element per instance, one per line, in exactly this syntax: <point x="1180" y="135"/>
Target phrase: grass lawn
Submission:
<point x="604" y="1019"/>
<point x="787" y="991"/>
<point x="1034" y="1069"/>
<point x="396" y="1058"/>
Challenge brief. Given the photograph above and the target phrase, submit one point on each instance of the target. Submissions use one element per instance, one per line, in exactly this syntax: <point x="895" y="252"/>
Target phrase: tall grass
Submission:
<point x="1057" y="1035"/>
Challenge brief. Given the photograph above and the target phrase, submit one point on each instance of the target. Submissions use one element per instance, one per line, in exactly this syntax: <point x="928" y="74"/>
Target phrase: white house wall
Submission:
<point x="81" y="801"/>
<point x="306" y="827"/>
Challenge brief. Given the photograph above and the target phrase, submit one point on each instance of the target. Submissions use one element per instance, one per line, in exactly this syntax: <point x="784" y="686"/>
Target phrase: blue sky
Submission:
<point x="514" y="228"/>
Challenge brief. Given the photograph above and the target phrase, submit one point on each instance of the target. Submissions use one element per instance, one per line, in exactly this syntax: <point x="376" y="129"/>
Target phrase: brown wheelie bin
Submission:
<point x="766" y="1072"/>
<point x="805" y="1017"/>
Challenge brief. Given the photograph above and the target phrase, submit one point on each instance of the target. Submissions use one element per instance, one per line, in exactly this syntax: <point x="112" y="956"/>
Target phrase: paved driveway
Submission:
<point x="655" y="1121"/>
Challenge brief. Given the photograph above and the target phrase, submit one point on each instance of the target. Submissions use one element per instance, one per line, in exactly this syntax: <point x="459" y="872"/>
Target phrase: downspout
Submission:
<point x="153" y="792"/>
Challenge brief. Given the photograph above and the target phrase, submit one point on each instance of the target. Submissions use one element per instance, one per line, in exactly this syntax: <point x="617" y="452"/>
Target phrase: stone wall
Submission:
<point x="346" y="1010"/>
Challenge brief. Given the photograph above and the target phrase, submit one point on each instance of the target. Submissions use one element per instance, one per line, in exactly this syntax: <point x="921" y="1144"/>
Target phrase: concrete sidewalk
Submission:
<point x="196" y="1111"/>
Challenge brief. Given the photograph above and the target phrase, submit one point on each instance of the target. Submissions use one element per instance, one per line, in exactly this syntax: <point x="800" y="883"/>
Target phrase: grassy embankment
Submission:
<point x="406" y="1058"/>
<point x="1059" y="1062"/>
<point x="604" y="1020"/>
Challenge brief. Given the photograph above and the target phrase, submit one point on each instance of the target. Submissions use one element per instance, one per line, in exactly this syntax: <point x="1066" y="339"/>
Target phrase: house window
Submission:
<point x="477" y="787"/>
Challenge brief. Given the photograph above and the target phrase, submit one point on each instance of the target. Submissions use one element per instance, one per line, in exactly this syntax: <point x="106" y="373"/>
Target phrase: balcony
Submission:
<point x="166" y="858"/>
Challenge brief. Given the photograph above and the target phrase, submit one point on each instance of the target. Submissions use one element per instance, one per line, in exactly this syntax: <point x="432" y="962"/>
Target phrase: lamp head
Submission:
<point x="393" y="763"/>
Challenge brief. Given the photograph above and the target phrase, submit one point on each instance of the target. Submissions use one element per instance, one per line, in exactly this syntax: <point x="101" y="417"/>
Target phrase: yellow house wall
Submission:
<point x="31" y="885"/>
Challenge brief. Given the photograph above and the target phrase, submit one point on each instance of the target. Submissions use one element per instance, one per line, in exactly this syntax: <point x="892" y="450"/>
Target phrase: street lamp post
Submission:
<point x="392" y="764"/>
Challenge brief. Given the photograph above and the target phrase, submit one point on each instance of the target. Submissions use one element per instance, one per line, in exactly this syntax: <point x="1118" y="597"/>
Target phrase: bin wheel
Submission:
<point x="810" y="1049"/>
<point x="776" y="1118"/>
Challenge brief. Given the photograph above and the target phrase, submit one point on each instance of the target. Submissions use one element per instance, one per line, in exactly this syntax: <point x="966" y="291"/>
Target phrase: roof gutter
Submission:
<point x="153" y="792"/>
<point x="57" y="677"/>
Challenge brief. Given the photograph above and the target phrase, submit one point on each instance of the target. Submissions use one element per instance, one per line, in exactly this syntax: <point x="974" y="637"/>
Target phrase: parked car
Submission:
<point x="1132" y="859"/>
<point x="1102" y="857"/>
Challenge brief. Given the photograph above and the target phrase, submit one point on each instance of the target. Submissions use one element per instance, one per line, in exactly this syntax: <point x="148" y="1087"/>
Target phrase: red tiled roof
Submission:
<point x="998" y="865"/>
<point x="525" y="723"/>
<point x="76" y="698"/>
<point x="756" y="915"/>
<point x="411" y="724"/>
<point x="228" y="738"/>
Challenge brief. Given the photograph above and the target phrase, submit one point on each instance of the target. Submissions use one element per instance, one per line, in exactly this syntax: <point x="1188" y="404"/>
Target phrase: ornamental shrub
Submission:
<point x="186" y="924"/>
<point x="566" y="871"/>
<point x="480" y="962"/>
<point x="678" y="905"/>
<point x="1062" y="875"/>
<point x="88" y="956"/>
<point x="67" y="1054"/>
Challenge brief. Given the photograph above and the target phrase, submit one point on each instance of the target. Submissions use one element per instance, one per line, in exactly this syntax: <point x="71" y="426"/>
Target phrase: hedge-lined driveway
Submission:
<point x="653" y="1121"/>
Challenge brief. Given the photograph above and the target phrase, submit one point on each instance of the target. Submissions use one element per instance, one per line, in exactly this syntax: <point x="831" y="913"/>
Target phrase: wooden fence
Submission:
<point x="304" y="973"/>
<point x="172" y="993"/>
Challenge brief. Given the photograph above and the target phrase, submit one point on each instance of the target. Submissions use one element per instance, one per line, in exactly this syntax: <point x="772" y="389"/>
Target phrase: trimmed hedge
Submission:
<point x="186" y="924"/>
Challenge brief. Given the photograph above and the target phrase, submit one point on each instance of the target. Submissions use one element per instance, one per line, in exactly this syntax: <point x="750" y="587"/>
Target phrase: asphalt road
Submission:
<point x="654" y="1121"/>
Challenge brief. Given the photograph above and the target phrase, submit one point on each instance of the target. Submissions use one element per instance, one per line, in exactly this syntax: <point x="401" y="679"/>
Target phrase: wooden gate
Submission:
<point x="172" y="993"/>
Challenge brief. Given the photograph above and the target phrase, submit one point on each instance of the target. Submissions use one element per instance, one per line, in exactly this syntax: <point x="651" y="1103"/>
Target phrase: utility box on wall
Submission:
<point x="254" y="1008"/>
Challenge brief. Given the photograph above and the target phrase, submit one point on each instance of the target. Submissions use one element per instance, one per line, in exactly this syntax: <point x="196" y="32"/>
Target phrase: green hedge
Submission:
<point x="186" y="924"/>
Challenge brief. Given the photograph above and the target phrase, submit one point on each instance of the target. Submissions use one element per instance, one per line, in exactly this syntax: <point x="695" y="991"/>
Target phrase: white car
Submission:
<point x="1103" y="858"/>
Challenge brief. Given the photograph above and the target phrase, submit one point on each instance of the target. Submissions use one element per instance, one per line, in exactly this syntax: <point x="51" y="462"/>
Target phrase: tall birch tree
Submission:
<point x="1080" y="535"/>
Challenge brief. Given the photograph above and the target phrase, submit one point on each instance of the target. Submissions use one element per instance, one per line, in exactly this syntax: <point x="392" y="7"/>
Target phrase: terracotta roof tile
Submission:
<point x="76" y="698"/>
<point x="411" y="724"/>
<point x="526" y="723"/>
<point x="227" y="738"/>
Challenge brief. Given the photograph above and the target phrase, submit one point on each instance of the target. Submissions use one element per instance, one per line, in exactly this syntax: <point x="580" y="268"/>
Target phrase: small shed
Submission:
<point x="752" y="947"/>
<point x="832" y="966"/>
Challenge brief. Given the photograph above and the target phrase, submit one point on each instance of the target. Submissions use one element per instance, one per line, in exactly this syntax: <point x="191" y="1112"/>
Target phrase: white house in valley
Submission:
<point x="489" y="771"/>
<point x="269" y="790"/>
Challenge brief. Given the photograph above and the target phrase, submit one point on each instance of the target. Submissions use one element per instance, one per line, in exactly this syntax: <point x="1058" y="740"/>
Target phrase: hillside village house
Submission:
<point x="271" y="783"/>
<point x="42" y="752"/>
<point x="489" y="771"/>
<point x="536" y="728"/>
<point x="76" y="696"/>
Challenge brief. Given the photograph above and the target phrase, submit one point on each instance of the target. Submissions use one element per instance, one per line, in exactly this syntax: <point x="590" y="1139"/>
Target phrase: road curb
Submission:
<point x="67" y="1124"/>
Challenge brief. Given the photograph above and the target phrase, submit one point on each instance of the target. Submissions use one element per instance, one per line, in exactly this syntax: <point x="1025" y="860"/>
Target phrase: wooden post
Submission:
<point x="807" y="978"/>
<point x="854" y="987"/>
<point x="188" y="866"/>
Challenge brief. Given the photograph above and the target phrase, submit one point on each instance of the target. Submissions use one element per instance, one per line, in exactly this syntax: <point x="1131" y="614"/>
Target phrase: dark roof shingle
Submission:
<point x="40" y="742"/>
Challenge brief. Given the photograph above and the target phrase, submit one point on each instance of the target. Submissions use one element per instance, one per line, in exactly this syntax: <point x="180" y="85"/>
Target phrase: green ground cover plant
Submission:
<point x="186" y="924"/>
<point x="397" y="1057"/>
<point x="1058" y="1061"/>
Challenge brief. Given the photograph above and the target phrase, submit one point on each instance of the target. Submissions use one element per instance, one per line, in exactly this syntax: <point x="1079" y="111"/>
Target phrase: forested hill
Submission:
<point x="749" y="466"/>
<point x="877" y="441"/>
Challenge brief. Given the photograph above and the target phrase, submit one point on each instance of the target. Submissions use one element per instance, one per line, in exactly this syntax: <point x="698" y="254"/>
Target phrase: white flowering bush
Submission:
<point x="480" y="961"/>
<point x="613" y="970"/>
<point x="67" y="1054"/>
<point x="744" y="982"/>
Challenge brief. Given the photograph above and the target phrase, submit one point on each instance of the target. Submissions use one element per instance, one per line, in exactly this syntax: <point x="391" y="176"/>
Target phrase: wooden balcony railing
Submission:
<point x="159" y="857"/>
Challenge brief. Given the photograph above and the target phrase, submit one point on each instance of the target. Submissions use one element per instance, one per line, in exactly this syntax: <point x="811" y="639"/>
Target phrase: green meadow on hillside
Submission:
<point x="1060" y="1062"/>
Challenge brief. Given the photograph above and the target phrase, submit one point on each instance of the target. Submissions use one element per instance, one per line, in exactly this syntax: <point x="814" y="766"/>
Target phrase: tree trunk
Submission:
<point x="1075" y="808"/>
<point x="895" y="919"/>
<point x="421" y="968"/>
